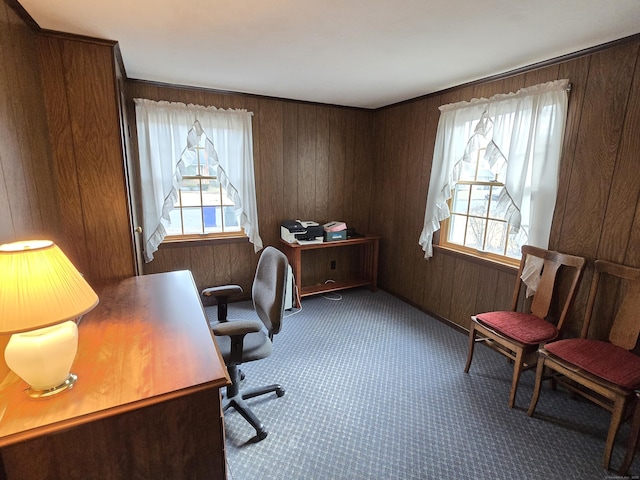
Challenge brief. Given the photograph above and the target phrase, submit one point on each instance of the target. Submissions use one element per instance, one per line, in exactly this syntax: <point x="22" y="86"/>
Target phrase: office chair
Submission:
<point x="605" y="372"/>
<point x="517" y="334"/>
<point x="242" y="341"/>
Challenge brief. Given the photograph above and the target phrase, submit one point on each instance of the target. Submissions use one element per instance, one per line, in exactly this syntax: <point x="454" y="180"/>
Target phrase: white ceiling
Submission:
<point x="362" y="53"/>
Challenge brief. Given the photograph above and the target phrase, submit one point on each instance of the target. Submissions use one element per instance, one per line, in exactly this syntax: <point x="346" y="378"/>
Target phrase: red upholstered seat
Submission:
<point x="606" y="373"/>
<point x="523" y="327"/>
<point x="603" y="359"/>
<point x="518" y="332"/>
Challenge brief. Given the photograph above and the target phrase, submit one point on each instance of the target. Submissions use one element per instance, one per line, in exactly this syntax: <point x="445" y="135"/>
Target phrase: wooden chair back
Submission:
<point x="553" y="261"/>
<point x="625" y="328"/>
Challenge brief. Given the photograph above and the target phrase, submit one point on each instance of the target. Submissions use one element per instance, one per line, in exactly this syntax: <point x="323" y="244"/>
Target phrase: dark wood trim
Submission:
<point x="120" y="60"/>
<point x="77" y="38"/>
<point x="174" y="86"/>
<point x="28" y="19"/>
<point x="523" y="70"/>
<point x="481" y="81"/>
<point x="23" y="14"/>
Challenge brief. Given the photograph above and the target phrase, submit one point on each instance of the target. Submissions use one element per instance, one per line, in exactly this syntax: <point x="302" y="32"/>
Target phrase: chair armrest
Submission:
<point x="221" y="294"/>
<point x="222" y="291"/>
<point x="236" y="327"/>
<point x="236" y="331"/>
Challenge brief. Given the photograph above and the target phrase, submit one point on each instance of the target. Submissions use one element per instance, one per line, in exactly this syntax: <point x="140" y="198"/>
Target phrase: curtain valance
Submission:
<point x="523" y="133"/>
<point x="164" y="131"/>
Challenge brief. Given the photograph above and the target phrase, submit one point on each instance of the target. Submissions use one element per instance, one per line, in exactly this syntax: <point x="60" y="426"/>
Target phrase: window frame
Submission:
<point x="162" y="127"/>
<point x="474" y="252"/>
<point x="180" y="207"/>
<point x="445" y="225"/>
<point x="520" y="141"/>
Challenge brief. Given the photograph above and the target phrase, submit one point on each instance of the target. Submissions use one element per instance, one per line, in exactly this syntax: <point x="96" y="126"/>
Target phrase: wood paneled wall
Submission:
<point x="596" y="214"/>
<point x="368" y="168"/>
<point x="28" y="198"/>
<point x="312" y="162"/>
<point x="81" y="100"/>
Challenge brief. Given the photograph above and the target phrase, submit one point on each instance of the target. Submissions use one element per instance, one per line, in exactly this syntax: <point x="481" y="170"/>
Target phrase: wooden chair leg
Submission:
<point x="632" y="443"/>
<point x="537" y="388"/>
<point x="616" y="420"/>
<point x="472" y="343"/>
<point x="517" y="370"/>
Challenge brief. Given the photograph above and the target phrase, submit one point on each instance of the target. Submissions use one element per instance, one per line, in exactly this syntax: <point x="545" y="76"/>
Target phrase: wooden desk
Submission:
<point x="368" y="264"/>
<point x="147" y="400"/>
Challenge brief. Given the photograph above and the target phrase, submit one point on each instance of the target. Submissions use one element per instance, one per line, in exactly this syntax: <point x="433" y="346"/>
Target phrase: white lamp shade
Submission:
<point x="43" y="357"/>
<point x="39" y="287"/>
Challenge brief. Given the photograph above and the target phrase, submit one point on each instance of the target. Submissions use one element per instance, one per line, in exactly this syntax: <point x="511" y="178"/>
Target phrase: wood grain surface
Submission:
<point x="369" y="168"/>
<point x="147" y="341"/>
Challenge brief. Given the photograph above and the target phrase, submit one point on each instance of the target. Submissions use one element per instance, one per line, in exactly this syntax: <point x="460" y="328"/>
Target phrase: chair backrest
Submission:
<point x="552" y="262"/>
<point x="269" y="288"/>
<point x="626" y="324"/>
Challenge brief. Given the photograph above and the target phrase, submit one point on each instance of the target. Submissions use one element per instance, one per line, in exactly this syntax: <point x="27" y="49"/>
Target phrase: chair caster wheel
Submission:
<point x="262" y="434"/>
<point x="280" y="392"/>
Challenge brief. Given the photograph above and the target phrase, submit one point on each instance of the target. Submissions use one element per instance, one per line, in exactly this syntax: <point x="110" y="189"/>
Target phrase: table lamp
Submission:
<point x="41" y="294"/>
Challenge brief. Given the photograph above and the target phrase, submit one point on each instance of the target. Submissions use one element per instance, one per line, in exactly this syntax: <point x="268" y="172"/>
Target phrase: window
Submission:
<point x="203" y="205"/>
<point x="477" y="222"/>
<point x="196" y="173"/>
<point x="494" y="173"/>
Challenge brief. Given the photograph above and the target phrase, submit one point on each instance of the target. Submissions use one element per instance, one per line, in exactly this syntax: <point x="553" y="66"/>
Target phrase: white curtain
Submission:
<point x="163" y="131"/>
<point x="523" y="134"/>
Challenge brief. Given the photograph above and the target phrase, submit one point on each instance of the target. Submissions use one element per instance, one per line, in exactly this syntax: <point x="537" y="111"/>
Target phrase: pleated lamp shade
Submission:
<point x="39" y="286"/>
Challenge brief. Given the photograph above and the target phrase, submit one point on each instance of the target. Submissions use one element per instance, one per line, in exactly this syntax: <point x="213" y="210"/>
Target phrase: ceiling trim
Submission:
<point x="525" y="69"/>
<point x="501" y="76"/>
<point x="28" y="19"/>
<point x="244" y="94"/>
<point x="23" y="14"/>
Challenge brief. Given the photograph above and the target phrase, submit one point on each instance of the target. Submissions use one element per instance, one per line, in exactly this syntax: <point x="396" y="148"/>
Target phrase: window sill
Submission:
<point x="198" y="242"/>
<point x="487" y="262"/>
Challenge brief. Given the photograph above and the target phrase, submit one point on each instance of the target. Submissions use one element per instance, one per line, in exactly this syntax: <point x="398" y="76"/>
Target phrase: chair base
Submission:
<point x="235" y="398"/>
<point x="523" y="356"/>
<point x="616" y="400"/>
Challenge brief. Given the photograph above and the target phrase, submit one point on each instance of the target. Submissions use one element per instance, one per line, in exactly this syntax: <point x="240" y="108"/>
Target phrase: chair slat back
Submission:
<point x="541" y="304"/>
<point x="625" y="328"/>
<point x="544" y="293"/>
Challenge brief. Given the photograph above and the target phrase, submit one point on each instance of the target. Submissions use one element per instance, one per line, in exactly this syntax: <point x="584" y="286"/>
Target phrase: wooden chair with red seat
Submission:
<point x="518" y="334"/>
<point x="605" y="372"/>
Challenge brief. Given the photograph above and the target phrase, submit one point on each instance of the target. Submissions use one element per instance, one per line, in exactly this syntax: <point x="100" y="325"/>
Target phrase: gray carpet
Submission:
<point x="375" y="389"/>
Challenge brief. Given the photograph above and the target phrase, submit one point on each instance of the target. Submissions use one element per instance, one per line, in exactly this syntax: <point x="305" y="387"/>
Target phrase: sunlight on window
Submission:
<point x="203" y="206"/>
<point x="477" y="221"/>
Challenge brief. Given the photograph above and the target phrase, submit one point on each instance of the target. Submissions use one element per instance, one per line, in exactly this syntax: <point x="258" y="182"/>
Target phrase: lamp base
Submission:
<point x="43" y="358"/>
<point x="66" y="385"/>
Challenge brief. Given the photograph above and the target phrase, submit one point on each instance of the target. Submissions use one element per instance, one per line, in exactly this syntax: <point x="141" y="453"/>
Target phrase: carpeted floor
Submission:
<point x="375" y="389"/>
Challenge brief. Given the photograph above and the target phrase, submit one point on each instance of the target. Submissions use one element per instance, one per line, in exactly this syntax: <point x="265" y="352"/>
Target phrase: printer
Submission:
<point x="298" y="231"/>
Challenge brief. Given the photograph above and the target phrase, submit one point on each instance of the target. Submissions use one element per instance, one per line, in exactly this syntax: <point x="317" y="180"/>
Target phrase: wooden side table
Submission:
<point x="368" y="264"/>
